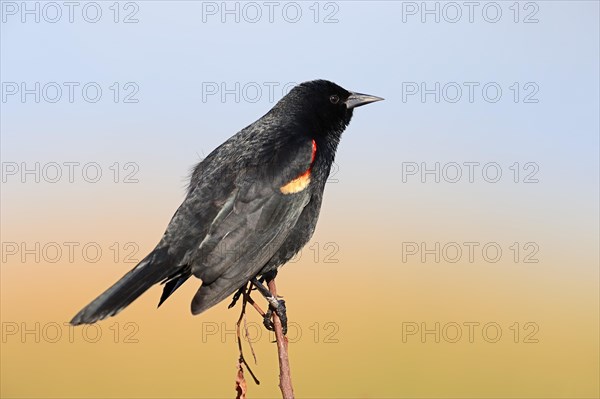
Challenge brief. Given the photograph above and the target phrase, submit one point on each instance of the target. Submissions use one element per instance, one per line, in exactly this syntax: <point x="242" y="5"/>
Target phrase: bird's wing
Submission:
<point x="252" y="223"/>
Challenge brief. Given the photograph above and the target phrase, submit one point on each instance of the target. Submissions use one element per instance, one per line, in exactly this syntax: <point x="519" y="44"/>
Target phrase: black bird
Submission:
<point x="251" y="205"/>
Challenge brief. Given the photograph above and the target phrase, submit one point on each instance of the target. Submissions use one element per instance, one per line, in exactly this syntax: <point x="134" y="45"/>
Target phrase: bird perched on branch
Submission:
<point x="251" y="205"/>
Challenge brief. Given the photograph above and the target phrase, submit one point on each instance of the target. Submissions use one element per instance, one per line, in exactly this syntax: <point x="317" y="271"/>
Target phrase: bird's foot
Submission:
<point x="277" y="306"/>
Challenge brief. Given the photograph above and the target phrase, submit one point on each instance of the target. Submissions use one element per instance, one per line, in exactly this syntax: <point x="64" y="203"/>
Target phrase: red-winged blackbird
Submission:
<point x="251" y="205"/>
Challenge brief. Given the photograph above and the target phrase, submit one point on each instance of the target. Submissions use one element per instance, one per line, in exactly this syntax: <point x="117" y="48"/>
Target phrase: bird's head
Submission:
<point x="324" y="105"/>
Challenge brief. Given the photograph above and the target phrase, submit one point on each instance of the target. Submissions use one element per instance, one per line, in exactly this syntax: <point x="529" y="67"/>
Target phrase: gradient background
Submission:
<point x="370" y="293"/>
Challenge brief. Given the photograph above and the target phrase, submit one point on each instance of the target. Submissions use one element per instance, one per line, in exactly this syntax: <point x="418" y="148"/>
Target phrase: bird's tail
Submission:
<point x="151" y="270"/>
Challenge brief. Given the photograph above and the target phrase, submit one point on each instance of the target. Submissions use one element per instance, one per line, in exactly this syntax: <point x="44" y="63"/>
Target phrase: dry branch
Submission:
<point x="285" y="378"/>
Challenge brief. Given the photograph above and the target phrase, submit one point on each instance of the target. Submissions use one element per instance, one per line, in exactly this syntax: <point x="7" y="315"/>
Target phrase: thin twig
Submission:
<point x="255" y="305"/>
<point x="249" y="299"/>
<point x="285" y="378"/>
<point x="242" y="360"/>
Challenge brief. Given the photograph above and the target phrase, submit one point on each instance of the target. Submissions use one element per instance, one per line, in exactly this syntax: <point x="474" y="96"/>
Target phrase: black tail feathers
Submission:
<point x="151" y="270"/>
<point x="172" y="283"/>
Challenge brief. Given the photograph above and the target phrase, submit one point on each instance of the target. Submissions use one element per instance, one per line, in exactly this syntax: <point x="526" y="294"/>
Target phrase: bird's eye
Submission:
<point x="334" y="99"/>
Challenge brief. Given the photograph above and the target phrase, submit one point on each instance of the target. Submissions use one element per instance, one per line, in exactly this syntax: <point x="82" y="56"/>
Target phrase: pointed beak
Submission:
<point x="358" y="99"/>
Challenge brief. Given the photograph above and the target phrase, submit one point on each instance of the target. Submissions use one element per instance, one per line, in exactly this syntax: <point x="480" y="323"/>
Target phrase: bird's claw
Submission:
<point x="281" y="312"/>
<point x="267" y="321"/>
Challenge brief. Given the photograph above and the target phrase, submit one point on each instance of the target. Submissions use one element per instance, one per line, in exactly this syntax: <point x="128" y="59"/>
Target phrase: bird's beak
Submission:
<point x="358" y="99"/>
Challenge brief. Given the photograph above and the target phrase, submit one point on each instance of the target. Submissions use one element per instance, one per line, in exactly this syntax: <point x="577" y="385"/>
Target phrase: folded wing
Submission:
<point x="251" y="226"/>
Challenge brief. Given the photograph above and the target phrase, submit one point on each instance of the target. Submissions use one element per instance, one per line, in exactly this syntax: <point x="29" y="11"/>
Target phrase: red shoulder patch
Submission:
<point x="301" y="182"/>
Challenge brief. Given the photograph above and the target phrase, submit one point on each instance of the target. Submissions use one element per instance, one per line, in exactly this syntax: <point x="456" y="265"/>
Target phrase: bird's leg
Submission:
<point x="275" y="305"/>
